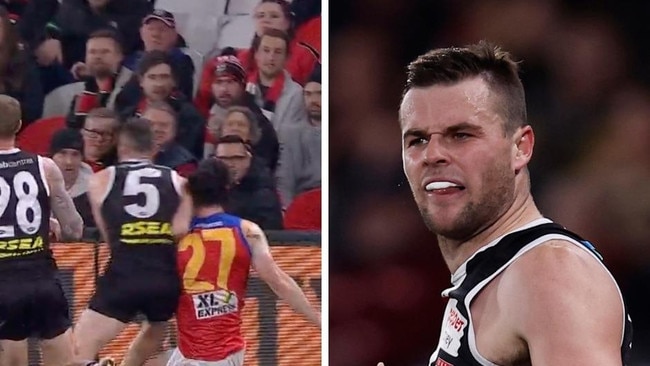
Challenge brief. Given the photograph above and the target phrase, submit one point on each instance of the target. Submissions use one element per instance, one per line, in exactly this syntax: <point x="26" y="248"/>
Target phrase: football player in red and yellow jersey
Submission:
<point x="214" y="260"/>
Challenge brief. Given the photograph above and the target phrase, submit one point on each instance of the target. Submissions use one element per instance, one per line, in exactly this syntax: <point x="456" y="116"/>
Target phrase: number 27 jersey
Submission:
<point x="214" y="261"/>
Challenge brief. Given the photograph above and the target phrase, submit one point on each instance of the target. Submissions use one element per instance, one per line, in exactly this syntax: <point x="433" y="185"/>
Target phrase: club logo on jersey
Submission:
<point x="216" y="303"/>
<point x="453" y="329"/>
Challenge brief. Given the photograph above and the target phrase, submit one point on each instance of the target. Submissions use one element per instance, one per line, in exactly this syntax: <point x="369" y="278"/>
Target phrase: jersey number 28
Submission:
<point x="25" y="189"/>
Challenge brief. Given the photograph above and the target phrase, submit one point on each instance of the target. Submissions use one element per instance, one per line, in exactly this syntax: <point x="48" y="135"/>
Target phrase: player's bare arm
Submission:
<point x="571" y="314"/>
<point x="183" y="217"/>
<point x="97" y="189"/>
<point x="70" y="222"/>
<point x="282" y="284"/>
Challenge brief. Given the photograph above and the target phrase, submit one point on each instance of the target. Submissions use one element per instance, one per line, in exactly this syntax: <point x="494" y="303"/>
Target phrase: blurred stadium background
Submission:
<point x="588" y="89"/>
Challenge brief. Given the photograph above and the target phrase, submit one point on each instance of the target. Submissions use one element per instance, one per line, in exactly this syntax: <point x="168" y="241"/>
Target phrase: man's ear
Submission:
<point x="524" y="141"/>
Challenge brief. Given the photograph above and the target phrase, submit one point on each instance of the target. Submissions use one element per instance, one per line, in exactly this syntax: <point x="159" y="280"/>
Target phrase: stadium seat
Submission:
<point x="235" y="31"/>
<point x="304" y="213"/>
<point x="58" y="101"/>
<point x="36" y="137"/>
<point x="241" y="7"/>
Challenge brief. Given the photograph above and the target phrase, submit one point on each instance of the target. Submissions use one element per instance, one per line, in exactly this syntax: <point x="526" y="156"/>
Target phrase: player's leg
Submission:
<point x="161" y="359"/>
<point x="53" y="324"/>
<point x="93" y="331"/>
<point x="58" y="350"/>
<point x="109" y="311"/>
<point x="159" y="307"/>
<point x="146" y="343"/>
<point x="13" y="352"/>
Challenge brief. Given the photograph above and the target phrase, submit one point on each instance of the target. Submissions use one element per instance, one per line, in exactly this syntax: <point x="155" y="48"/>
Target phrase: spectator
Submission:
<point x="300" y="159"/>
<point x="18" y="74"/>
<point x="168" y="153"/>
<point x="252" y="195"/>
<point x="66" y="149"/>
<point x="307" y="22"/>
<point x="240" y="121"/>
<point x="99" y="138"/>
<point x="158" y="33"/>
<point x="228" y="90"/>
<point x="158" y="83"/>
<point x="273" y="14"/>
<point x="77" y="19"/>
<point x="275" y="92"/>
<point x="105" y="76"/>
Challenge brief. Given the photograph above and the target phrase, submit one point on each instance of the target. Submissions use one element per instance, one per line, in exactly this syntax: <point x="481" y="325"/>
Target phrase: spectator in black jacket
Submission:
<point x="228" y="90"/>
<point x="18" y="74"/>
<point x="157" y="81"/>
<point x="158" y="33"/>
<point x="77" y="19"/>
<point x="253" y="193"/>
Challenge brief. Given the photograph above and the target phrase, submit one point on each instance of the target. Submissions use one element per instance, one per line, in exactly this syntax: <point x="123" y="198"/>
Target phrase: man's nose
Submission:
<point x="435" y="152"/>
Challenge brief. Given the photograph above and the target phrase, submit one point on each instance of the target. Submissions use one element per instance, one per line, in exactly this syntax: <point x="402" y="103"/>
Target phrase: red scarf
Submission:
<point x="94" y="96"/>
<point x="273" y="93"/>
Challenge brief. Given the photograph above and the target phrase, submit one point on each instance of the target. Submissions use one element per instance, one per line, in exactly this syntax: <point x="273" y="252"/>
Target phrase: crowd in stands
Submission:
<point x="82" y="67"/>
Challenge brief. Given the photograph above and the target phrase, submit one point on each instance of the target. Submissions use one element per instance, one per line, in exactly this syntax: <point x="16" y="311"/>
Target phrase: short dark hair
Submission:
<point x="137" y="131"/>
<point x="496" y="67"/>
<point x="275" y="33"/>
<point x="160" y="105"/>
<point x="108" y="33"/>
<point x="154" y="58"/>
<point x="208" y="184"/>
<point x="234" y="139"/>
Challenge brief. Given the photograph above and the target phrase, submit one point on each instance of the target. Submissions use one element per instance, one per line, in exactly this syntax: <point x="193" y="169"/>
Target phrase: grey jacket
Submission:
<point x="299" y="168"/>
<point x="290" y="107"/>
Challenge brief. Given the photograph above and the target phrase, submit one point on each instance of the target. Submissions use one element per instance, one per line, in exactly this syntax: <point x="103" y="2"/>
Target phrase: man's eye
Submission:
<point x="417" y="141"/>
<point x="461" y="136"/>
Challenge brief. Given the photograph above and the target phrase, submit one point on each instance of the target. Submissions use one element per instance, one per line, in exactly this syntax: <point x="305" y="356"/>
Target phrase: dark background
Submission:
<point x="585" y="70"/>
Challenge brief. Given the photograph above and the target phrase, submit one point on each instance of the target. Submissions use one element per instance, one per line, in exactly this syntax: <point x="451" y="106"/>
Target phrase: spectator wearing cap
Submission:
<point x="252" y="195"/>
<point x="158" y="82"/>
<point x="66" y="150"/>
<point x="77" y="19"/>
<point x="158" y="33"/>
<point x="273" y="14"/>
<point x="167" y="151"/>
<point x="275" y="92"/>
<point x="299" y="169"/>
<point x="228" y="90"/>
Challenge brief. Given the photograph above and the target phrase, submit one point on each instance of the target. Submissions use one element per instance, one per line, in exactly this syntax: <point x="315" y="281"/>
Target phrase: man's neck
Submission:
<point x="135" y="157"/>
<point x="7" y="144"/>
<point x="267" y="80"/>
<point x="522" y="212"/>
<point x="206" y="211"/>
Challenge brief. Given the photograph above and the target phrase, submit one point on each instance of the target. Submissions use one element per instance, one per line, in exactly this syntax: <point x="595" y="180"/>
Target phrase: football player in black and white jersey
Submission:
<point x="524" y="289"/>
<point x="140" y="209"/>
<point x="32" y="302"/>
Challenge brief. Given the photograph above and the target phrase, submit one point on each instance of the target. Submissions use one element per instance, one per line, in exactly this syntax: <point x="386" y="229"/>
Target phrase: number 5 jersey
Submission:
<point x="214" y="261"/>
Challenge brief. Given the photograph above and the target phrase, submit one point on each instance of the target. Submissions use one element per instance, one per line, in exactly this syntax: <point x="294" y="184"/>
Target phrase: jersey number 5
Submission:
<point x="197" y="241"/>
<point x="26" y="190"/>
<point x="133" y="187"/>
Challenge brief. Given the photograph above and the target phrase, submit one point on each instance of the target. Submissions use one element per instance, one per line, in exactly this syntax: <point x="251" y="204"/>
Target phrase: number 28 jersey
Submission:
<point x="24" y="215"/>
<point x="214" y="261"/>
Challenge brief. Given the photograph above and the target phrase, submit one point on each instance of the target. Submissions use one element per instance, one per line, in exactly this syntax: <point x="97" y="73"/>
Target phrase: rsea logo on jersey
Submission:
<point x="146" y="228"/>
<point x="30" y="244"/>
